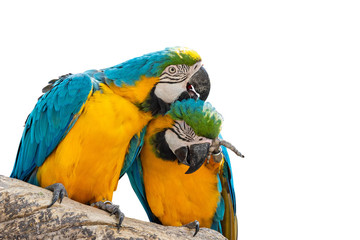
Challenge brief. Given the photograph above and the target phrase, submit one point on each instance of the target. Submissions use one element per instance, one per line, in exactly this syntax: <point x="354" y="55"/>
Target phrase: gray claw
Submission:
<point x="59" y="192"/>
<point x="112" y="209"/>
<point x="121" y="219"/>
<point x="193" y="225"/>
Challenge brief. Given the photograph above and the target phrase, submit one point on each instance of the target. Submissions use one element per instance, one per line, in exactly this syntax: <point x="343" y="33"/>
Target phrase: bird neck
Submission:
<point x="154" y="105"/>
<point x="139" y="93"/>
<point x="160" y="123"/>
<point x="155" y="136"/>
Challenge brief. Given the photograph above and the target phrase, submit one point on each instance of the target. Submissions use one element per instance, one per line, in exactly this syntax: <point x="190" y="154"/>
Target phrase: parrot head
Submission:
<point x="194" y="127"/>
<point x="160" y="78"/>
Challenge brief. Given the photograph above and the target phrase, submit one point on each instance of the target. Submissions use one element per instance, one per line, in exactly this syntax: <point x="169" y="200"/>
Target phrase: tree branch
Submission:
<point x="24" y="215"/>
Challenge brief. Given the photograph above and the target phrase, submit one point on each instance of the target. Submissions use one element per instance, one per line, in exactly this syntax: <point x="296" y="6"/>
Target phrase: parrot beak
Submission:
<point x="193" y="156"/>
<point x="199" y="85"/>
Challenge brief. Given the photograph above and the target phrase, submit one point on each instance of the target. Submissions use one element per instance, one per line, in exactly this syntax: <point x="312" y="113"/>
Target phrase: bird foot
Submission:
<point x="112" y="209"/>
<point x="193" y="225"/>
<point x="59" y="192"/>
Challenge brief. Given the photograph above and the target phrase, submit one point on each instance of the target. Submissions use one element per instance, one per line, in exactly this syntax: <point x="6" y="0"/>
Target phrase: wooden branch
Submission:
<point x="24" y="215"/>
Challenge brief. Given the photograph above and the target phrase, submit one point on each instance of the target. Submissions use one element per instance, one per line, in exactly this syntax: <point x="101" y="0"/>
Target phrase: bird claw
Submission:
<point x="112" y="209"/>
<point x="59" y="192"/>
<point x="193" y="225"/>
<point x="215" y="149"/>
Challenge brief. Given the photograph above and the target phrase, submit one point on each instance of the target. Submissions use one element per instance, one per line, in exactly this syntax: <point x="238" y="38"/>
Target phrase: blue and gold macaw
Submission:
<point x="175" y="183"/>
<point x="86" y="128"/>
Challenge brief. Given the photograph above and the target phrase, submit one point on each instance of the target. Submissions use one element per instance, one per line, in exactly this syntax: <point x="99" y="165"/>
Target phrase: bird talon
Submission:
<point x="112" y="209"/>
<point x="114" y="212"/>
<point x="59" y="192"/>
<point x="197" y="229"/>
<point x="121" y="219"/>
<point x="193" y="225"/>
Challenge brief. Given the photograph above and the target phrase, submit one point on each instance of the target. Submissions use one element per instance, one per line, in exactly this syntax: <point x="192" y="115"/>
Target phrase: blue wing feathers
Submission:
<point x="228" y="174"/>
<point x="135" y="146"/>
<point x="135" y="175"/>
<point x="219" y="214"/>
<point x="140" y="192"/>
<point x="48" y="123"/>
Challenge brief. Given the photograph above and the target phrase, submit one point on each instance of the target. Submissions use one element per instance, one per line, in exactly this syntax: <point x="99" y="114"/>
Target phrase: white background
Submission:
<point x="284" y="75"/>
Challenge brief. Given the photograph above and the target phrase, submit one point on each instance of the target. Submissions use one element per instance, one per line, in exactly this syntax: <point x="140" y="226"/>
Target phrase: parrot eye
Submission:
<point x="172" y="69"/>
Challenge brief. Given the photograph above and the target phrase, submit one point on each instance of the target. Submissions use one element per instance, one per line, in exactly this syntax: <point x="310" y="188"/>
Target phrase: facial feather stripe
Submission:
<point x="177" y="73"/>
<point x="183" y="131"/>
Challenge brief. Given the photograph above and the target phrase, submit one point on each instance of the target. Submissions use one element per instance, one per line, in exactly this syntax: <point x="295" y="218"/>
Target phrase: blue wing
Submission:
<point x="135" y="174"/>
<point x="53" y="116"/>
<point x="225" y="220"/>
<point x="134" y="149"/>
<point x="227" y="173"/>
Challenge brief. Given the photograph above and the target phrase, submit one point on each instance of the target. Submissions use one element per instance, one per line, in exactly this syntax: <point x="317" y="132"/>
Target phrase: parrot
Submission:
<point x="183" y="175"/>
<point x="86" y="129"/>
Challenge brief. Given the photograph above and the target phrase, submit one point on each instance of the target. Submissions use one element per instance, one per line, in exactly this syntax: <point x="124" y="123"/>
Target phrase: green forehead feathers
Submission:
<point x="201" y="116"/>
<point x="180" y="55"/>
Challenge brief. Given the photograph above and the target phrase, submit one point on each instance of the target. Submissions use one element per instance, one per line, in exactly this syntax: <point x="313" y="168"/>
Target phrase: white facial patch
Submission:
<point x="194" y="68"/>
<point x="169" y="92"/>
<point x="182" y="135"/>
<point x="173" y="81"/>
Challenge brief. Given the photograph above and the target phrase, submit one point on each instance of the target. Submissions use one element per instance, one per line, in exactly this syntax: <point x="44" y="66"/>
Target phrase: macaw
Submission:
<point x="175" y="183"/>
<point x="86" y="128"/>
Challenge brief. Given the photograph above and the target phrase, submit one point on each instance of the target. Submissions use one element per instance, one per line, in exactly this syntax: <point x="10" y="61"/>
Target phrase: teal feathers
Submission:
<point x="149" y="65"/>
<point x="53" y="116"/>
<point x="59" y="108"/>
<point x="201" y="116"/>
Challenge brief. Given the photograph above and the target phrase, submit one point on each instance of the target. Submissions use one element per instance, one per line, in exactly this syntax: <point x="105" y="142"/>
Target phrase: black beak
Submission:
<point x="199" y="85"/>
<point x="193" y="156"/>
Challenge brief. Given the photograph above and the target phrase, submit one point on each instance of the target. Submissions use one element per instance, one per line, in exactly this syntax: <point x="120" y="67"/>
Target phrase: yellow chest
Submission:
<point x="177" y="198"/>
<point x="89" y="159"/>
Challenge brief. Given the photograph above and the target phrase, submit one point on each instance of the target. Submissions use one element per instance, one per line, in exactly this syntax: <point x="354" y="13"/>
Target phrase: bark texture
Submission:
<point x="24" y="215"/>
